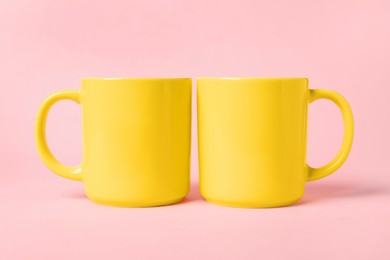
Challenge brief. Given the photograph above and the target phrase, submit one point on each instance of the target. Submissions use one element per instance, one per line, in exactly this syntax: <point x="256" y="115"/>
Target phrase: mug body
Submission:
<point x="252" y="140"/>
<point x="136" y="140"/>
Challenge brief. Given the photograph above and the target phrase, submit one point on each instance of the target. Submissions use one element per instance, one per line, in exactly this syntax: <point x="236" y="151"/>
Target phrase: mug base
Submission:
<point x="252" y="205"/>
<point x="136" y="204"/>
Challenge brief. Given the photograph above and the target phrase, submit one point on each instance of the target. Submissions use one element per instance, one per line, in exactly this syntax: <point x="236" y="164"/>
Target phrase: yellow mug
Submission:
<point x="252" y="140"/>
<point x="136" y="140"/>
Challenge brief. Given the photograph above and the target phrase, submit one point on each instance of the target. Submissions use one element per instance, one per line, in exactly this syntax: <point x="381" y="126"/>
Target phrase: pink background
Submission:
<point x="47" y="46"/>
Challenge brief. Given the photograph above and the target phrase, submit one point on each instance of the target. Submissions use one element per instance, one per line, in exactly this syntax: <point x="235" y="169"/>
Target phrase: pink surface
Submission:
<point x="50" y="45"/>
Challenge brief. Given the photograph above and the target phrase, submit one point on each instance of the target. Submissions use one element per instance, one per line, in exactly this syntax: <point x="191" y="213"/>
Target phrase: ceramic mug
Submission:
<point x="252" y="139"/>
<point x="136" y="140"/>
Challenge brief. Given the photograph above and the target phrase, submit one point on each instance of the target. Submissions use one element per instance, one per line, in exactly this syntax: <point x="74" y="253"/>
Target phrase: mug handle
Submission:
<point x="74" y="173"/>
<point x="339" y="159"/>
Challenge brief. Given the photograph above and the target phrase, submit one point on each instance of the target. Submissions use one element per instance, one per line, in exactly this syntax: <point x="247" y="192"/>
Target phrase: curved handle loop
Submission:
<point x="339" y="159"/>
<point x="47" y="157"/>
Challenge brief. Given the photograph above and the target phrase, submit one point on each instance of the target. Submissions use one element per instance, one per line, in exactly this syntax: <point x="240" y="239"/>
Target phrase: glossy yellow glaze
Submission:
<point x="136" y="140"/>
<point x="252" y="140"/>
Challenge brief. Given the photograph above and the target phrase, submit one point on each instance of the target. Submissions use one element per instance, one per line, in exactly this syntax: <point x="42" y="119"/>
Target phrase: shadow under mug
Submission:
<point x="252" y="139"/>
<point x="136" y="140"/>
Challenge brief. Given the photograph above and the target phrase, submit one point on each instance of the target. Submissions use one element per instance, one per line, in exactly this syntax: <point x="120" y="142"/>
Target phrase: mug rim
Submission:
<point x="119" y="78"/>
<point x="252" y="78"/>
